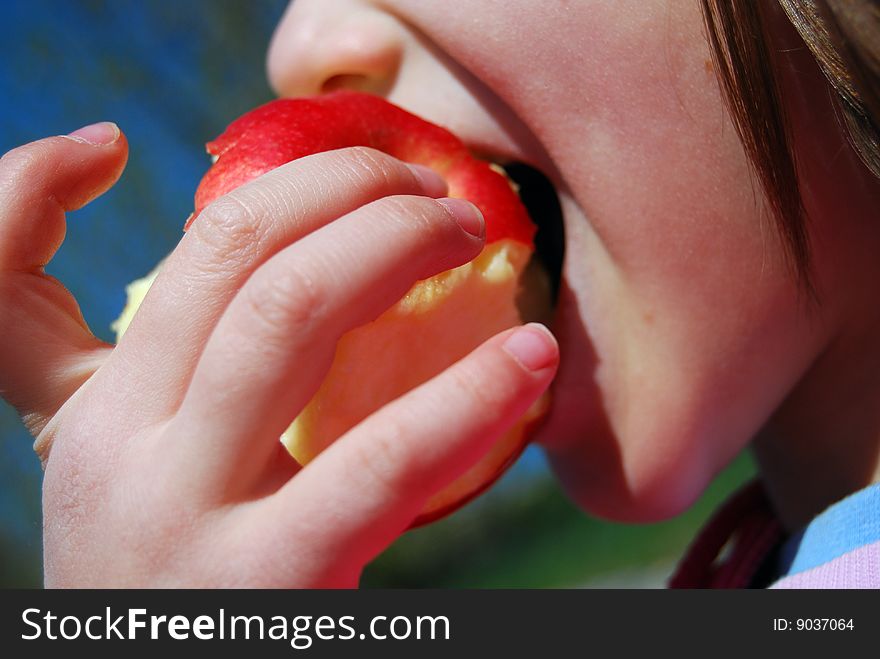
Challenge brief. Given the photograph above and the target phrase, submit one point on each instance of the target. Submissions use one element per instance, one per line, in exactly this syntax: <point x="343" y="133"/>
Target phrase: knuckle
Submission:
<point x="369" y="159"/>
<point x="383" y="460"/>
<point x="229" y="229"/>
<point x="470" y="382"/>
<point x="293" y="302"/>
<point x="421" y="216"/>
<point x="368" y="164"/>
<point x="23" y="163"/>
<point x="419" y="213"/>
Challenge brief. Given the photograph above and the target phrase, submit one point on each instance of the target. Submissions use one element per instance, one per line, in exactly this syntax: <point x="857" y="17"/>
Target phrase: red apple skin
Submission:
<point x="286" y="129"/>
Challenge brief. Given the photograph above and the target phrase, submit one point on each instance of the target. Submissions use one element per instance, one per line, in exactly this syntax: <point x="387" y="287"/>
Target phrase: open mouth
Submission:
<point x="540" y="199"/>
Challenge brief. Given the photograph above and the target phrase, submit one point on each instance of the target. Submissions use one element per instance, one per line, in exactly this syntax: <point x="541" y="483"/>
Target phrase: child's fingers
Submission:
<point x="357" y="496"/>
<point x="277" y="338"/>
<point x="236" y="234"/>
<point x="42" y="180"/>
<point x="46" y="349"/>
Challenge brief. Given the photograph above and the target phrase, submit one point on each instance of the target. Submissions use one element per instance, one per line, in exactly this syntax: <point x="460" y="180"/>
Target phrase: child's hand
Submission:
<point x="165" y="465"/>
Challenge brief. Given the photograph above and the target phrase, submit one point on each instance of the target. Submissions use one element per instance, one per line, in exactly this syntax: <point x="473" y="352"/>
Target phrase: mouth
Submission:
<point x="542" y="277"/>
<point x="539" y="196"/>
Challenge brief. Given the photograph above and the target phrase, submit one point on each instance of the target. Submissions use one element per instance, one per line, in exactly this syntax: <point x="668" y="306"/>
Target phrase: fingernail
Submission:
<point x="432" y="183"/>
<point x="100" y="134"/>
<point x="466" y="214"/>
<point x="533" y="346"/>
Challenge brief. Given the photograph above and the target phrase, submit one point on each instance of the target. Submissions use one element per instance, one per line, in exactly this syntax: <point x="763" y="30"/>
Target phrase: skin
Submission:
<point x="683" y="335"/>
<point x="187" y="484"/>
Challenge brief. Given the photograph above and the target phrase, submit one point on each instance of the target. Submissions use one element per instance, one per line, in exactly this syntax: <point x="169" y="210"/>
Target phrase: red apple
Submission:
<point x="286" y="129"/>
<point x="441" y="319"/>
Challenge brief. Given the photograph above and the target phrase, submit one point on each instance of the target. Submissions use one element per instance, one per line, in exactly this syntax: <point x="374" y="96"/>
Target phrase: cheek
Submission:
<point x="683" y="328"/>
<point x="696" y="324"/>
<point x="657" y="165"/>
<point x="692" y="305"/>
<point x="669" y="194"/>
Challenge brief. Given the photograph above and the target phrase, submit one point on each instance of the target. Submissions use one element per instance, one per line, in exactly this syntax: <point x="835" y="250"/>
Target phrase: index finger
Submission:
<point x="231" y="239"/>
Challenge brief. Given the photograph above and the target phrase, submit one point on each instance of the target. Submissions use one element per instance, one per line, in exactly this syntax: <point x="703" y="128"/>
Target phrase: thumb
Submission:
<point x="46" y="348"/>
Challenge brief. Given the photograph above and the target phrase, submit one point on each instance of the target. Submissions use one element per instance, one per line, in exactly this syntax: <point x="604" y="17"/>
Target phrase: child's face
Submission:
<point x="680" y="327"/>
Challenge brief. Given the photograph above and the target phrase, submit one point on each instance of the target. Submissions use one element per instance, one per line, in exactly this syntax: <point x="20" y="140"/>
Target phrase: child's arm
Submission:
<point x="165" y="466"/>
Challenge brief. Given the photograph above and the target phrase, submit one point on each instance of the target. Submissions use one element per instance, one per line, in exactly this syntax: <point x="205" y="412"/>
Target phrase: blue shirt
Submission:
<point x="845" y="526"/>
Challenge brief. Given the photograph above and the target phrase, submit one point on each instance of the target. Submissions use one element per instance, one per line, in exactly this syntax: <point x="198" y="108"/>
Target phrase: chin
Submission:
<point x="624" y="479"/>
<point x="594" y="478"/>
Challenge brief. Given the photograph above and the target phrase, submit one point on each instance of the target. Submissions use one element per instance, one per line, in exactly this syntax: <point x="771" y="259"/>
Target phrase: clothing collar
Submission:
<point x="845" y="526"/>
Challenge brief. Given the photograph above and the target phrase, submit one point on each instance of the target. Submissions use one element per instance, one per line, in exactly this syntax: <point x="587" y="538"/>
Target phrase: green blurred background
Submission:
<point x="172" y="74"/>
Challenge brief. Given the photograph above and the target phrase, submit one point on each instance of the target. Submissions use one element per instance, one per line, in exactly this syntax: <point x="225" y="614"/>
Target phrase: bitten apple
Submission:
<point x="441" y="319"/>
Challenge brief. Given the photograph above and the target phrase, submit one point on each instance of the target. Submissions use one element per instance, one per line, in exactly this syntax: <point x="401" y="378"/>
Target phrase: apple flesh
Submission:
<point x="441" y="319"/>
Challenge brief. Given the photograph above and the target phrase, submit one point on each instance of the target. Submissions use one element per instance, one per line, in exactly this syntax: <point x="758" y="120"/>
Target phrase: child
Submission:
<point x="714" y="295"/>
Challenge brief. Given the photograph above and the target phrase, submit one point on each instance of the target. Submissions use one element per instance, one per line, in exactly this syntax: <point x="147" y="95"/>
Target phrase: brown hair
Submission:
<point x="844" y="38"/>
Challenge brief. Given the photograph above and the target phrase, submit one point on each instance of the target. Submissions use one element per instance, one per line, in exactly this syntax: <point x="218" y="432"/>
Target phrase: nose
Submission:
<point x="321" y="45"/>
